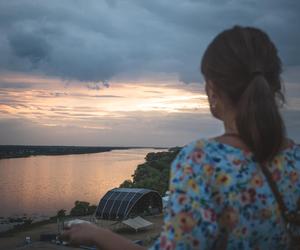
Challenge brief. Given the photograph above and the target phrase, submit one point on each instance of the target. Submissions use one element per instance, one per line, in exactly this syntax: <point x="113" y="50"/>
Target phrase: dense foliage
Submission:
<point x="154" y="173"/>
<point x="82" y="208"/>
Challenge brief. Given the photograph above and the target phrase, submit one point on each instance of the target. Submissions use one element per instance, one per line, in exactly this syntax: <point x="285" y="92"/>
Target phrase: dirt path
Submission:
<point x="16" y="241"/>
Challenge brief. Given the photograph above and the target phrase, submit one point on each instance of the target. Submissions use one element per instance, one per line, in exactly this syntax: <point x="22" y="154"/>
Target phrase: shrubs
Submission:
<point x="154" y="173"/>
<point x="61" y="213"/>
<point x="82" y="208"/>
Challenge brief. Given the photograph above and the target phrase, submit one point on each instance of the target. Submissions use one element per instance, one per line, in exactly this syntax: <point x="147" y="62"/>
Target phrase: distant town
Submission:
<point x="15" y="151"/>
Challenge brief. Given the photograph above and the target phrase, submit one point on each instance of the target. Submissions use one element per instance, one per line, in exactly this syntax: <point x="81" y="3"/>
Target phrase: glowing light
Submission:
<point x="51" y="102"/>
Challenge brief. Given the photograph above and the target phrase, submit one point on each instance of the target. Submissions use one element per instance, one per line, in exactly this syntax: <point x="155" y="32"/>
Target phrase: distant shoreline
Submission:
<point x="20" y="151"/>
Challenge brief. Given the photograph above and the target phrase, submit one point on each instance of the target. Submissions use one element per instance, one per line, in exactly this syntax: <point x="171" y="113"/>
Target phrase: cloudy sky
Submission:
<point x="125" y="72"/>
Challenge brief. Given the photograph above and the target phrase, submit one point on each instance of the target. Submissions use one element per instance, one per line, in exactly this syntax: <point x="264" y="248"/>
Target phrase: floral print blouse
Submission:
<point x="219" y="199"/>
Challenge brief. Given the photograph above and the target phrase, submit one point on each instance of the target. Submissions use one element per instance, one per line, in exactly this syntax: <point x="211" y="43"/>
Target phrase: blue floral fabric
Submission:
<point x="219" y="196"/>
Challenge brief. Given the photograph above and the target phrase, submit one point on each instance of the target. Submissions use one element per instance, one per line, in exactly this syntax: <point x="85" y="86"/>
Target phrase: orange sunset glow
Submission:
<point x="49" y="93"/>
<point x="91" y="74"/>
<point x="111" y="111"/>
<point x="61" y="104"/>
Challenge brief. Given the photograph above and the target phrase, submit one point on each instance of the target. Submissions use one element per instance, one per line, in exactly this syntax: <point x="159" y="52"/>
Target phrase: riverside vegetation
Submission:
<point x="16" y="151"/>
<point x="153" y="174"/>
<point x="81" y="208"/>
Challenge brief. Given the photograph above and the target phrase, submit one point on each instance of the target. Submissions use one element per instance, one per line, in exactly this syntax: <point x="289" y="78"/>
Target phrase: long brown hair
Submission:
<point x="243" y="63"/>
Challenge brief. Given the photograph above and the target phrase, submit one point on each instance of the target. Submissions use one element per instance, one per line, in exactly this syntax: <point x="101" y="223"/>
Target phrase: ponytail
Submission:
<point x="243" y="63"/>
<point x="258" y="120"/>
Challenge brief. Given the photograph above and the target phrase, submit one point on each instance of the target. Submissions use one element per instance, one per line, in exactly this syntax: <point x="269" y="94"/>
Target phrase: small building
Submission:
<point x="123" y="203"/>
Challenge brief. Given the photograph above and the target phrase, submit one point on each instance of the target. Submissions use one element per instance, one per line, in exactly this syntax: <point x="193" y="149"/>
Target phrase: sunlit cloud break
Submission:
<point x="125" y="72"/>
<point x="53" y="103"/>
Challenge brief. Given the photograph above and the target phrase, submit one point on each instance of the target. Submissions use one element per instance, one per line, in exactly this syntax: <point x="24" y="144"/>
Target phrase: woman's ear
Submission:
<point x="211" y="94"/>
<point x="213" y="99"/>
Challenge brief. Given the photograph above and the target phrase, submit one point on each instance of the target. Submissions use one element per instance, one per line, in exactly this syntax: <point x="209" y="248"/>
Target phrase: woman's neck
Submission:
<point x="230" y="126"/>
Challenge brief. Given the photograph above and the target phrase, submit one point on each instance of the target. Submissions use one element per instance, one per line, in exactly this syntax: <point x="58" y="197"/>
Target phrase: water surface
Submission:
<point x="41" y="185"/>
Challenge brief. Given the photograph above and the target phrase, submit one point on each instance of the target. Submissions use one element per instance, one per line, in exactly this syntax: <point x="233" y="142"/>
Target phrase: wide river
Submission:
<point x="41" y="185"/>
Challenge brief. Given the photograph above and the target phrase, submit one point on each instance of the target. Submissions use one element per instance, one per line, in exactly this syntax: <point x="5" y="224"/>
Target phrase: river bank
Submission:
<point x="153" y="174"/>
<point x="16" y="240"/>
<point x="12" y="223"/>
<point x="45" y="184"/>
<point x="19" y="151"/>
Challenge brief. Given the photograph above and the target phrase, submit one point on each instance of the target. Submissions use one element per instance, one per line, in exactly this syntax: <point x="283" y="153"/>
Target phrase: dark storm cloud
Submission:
<point x="5" y="85"/>
<point x="97" y="40"/>
<point x="30" y="46"/>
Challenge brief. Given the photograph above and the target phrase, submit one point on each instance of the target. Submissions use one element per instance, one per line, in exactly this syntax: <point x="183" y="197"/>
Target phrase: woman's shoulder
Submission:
<point x="214" y="148"/>
<point x="211" y="145"/>
<point x="292" y="151"/>
<point x="199" y="146"/>
<point x="208" y="151"/>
